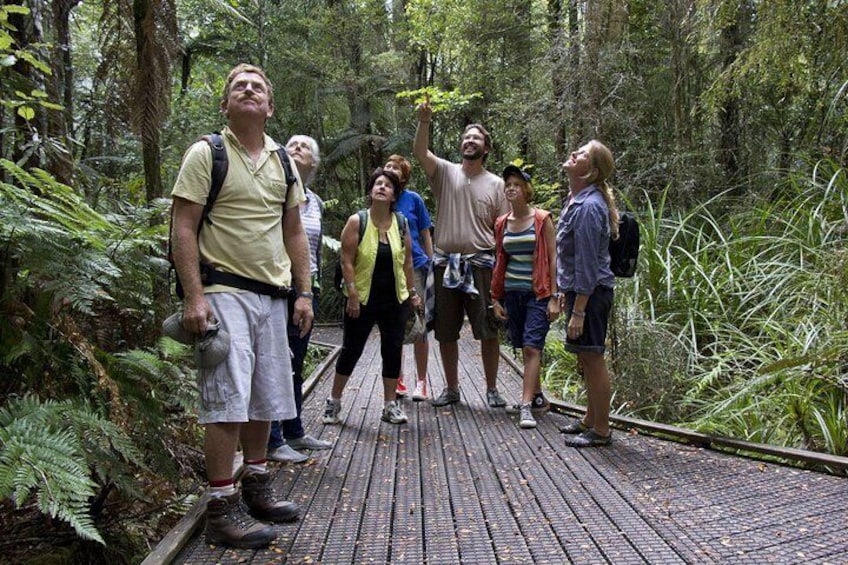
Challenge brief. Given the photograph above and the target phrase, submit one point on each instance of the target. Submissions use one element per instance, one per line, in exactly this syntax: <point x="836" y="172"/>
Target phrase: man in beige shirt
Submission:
<point x="468" y="200"/>
<point x="251" y="248"/>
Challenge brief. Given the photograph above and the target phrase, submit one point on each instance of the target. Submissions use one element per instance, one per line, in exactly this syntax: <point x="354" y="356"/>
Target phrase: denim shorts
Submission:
<point x="527" y="322"/>
<point x="594" y="336"/>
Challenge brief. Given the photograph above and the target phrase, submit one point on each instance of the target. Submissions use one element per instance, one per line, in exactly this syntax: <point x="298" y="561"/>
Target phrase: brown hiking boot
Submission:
<point x="227" y="523"/>
<point x="263" y="503"/>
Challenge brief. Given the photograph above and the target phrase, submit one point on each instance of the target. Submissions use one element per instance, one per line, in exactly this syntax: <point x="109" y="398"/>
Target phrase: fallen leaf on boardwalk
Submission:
<point x="412" y="509"/>
<point x="761" y="467"/>
<point x="633" y="432"/>
<point x="524" y="482"/>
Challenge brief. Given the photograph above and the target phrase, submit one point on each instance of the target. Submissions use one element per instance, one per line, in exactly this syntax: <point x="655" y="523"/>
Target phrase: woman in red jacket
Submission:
<point x="523" y="282"/>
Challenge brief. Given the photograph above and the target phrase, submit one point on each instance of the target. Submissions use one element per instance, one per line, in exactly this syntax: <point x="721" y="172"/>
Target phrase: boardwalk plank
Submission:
<point x="463" y="484"/>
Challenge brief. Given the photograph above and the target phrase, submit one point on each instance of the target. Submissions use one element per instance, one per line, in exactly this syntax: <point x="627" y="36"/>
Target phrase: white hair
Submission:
<point x="316" y="155"/>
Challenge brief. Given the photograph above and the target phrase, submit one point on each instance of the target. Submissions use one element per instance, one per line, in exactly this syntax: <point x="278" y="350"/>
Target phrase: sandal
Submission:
<point x="589" y="439"/>
<point x="575" y="427"/>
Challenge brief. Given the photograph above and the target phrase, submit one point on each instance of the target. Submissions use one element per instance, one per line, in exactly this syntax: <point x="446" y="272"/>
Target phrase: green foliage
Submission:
<point x="76" y="305"/>
<point x="737" y="325"/>
<point x="440" y="100"/>
<point x="20" y="102"/>
<point x="50" y="448"/>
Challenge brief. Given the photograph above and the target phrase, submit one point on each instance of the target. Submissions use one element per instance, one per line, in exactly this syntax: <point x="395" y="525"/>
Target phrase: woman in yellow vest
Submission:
<point x="378" y="284"/>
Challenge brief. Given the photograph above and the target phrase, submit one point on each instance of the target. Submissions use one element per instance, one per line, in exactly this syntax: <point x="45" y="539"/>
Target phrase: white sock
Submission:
<point x="255" y="468"/>
<point x="219" y="492"/>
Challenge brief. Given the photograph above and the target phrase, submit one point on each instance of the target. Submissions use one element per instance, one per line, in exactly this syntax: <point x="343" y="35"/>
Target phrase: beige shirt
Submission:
<point x="246" y="233"/>
<point x="466" y="208"/>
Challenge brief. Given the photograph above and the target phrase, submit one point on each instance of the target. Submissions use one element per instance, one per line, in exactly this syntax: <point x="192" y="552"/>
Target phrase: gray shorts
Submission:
<point x="254" y="383"/>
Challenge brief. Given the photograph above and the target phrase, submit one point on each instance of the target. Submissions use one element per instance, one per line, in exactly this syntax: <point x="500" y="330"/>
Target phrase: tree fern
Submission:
<point x="40" y="454"/>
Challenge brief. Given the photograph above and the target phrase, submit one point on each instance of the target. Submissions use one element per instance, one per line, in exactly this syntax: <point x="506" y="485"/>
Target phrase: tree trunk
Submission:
<point x="60" y="87"/>
<point x="152" y="90"/>
<point x="577" y="118"/>
<point x="558" y="74"/>
<point x="731" y="43"/>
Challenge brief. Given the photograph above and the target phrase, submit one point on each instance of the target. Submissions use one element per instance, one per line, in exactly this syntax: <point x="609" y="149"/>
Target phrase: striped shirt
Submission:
<point x="519" y="247"/>
<point x="310" y="217"/>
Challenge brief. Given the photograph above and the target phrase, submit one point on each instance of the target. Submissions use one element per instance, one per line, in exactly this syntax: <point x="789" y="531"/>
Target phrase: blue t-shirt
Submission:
<point x="412" y="206"/>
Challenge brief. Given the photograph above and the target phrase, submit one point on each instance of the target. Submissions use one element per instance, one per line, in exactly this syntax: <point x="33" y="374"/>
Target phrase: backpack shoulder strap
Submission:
<point x="285" y="161"/>
<point x="401" y="219"/>
<point x="363" y="221"/>
<point x="219" y="172"/>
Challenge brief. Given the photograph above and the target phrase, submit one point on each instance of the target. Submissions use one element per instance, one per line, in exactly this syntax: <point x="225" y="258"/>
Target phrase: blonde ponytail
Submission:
<point x="603" y="164"/>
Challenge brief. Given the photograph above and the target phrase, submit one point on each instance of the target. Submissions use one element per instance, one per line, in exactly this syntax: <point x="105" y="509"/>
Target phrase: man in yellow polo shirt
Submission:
<point x="254" y="235"/>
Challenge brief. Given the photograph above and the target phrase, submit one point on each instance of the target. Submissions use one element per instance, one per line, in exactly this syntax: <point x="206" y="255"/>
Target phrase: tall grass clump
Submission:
<point x="736" y="321"/>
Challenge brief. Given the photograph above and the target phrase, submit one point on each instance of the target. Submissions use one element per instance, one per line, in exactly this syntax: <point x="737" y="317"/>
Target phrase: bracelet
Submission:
<point x="350" y="284"/>
<point x="305" y="294"/>
<point x="578" y="313"/>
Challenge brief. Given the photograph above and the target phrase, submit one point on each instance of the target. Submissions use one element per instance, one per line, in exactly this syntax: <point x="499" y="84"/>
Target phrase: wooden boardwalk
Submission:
<point x="464" y="484"/>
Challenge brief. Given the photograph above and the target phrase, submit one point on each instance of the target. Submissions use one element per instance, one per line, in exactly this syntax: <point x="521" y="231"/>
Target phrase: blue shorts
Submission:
<point x="527" y="322"/>
<point x="594" y="336"/>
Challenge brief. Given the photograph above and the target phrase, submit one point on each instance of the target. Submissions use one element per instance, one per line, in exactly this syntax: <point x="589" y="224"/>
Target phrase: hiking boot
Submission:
<point x="526" y="420"/>
<point x="393" y="413"/>
<point x="494" y="398"/>
<point x="309" y="442"/>
<point x="227" y="523"/>
<point x="331" y="412"/>
<point x="448" y="396"/>
<point x="287" y="454"/>
<point x="401" y="387"/>
<point x="420" y="390"/>
<point x="261" y="501"/>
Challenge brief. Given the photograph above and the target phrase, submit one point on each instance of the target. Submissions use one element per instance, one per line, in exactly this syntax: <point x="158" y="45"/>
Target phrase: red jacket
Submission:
<point x="541" y="268"/>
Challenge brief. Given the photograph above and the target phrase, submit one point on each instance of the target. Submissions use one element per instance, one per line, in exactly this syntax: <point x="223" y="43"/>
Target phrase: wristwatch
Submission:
<point x="305" y="294"/>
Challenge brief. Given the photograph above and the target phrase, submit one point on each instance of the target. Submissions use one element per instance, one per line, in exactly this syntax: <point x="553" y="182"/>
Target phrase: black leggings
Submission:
<point x="391" y="319"/>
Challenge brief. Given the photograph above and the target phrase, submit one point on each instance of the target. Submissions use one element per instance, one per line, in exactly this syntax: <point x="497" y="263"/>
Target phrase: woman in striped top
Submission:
<point x="523" y="282"/>
<point x="288" y="437"/>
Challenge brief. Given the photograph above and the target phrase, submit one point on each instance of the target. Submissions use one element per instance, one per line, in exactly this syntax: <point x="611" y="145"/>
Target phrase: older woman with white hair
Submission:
<point x="288" y="436"/>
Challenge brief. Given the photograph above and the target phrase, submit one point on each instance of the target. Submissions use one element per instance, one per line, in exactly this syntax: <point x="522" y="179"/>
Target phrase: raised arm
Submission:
<point x="421" y="143"/>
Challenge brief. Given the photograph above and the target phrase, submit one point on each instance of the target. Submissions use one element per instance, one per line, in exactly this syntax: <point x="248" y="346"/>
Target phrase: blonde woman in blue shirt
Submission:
<point x="587" y="222"/>
<point x="377" y="273"/>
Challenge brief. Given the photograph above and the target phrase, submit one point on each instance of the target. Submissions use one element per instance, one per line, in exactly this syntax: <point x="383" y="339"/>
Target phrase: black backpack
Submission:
<point x="624" y="251"/>
<point x="220" y="166"/>
<point x="338" y="278"/>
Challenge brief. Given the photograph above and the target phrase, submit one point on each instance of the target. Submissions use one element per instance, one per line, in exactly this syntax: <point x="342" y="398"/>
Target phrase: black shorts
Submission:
<point x="594" y="336"/>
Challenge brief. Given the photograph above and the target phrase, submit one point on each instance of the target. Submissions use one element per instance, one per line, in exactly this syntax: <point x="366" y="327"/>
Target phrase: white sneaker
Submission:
<point x="527" y="420"/>
<point x="420" y="390"/>
<point x="393" y="413"/>
<point x="331" y="411"/>
<point x="285" y="454"/>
